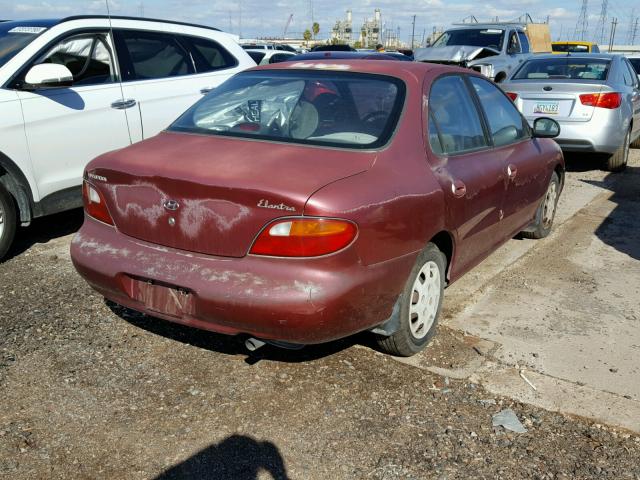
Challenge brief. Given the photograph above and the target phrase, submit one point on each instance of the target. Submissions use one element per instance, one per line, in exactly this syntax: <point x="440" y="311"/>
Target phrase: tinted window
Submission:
<point x="301" y="107"/>
<point x="524" y="42"/>
<point x="257" y="56"/>
<point x="567" y="47"/>
<point x="635" y="62"/>
<point x="565" y="68"/>
<point x="505" y="122"/>
<point x="628" y="74"/>
<point x="280" y="57"/>
<point x="149" y="55"/>
<point x="514" y="45"/>
<point x="87" y="57"/>
<point x="479" y="37"/>
<point x="456" y="123"/>
<point x="208" y="55"/>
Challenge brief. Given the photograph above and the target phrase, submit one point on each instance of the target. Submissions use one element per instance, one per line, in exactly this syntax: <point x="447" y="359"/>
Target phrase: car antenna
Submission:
<point x="119" y="79"/>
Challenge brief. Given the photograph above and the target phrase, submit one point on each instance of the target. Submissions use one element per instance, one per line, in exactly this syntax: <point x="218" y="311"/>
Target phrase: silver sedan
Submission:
<point x="594" y="97"/>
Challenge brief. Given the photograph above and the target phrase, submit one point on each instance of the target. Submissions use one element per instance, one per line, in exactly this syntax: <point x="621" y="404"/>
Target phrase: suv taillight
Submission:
<point x="603" y="100"/>
<point x="512" y="96"/>
<point x="94" y="204"/>
<point x="304" y="237"/>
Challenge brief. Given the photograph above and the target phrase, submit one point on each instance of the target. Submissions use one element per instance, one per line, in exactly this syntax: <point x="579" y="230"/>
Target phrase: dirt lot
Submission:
<point x="92" y="391"/>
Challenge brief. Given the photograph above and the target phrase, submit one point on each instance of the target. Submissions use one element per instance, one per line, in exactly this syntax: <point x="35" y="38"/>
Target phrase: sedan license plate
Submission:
<point x="168" y="300"/>
<point x="547" y="108"/>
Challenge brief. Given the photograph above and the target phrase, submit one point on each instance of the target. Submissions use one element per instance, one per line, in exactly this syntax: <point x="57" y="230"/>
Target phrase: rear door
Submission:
<point x="164" y="73"/>
<point x="525" y="170"/>
<point x="470" y="173"/>
<point x="631" y="80"/>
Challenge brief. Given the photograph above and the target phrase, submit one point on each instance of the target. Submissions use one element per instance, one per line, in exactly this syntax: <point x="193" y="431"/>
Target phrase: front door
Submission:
<point x="471" y="175"/>
<point x="68" y="127"/>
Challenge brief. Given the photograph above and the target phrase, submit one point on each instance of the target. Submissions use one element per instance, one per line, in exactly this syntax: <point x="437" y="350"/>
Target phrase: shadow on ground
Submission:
<point x="236" y="458"/>
<point x="621" y="229"/>
<point x="45" y="229"/>
<point x="234" y="345"/>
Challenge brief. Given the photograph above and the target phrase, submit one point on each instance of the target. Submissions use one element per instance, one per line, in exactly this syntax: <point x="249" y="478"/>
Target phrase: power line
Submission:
<point x="583" y="22"/>
<point x="602" y="22"/>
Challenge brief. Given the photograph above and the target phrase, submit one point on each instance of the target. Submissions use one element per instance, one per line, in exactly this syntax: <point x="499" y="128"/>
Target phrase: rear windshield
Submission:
<point x="564" y="68"/>
<point x="14" y="37"/>
<point x="566" y="47"/>
<point x="341" y="109"/>
<point x="476" y="37"/>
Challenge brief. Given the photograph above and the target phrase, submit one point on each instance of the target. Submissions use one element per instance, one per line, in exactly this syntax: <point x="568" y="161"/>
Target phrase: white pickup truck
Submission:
<point x="493" y="50"/>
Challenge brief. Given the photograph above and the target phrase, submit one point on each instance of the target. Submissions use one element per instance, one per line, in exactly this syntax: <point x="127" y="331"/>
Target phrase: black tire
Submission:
<point x="500" y="77"/>
<point x="7" y="221"/>
<point x="546" y="211"/>
<point x="618" y="161"/>
<point x="404" y="342"/>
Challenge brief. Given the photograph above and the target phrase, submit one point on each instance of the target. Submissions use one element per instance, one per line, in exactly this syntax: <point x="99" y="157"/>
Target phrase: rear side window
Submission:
<point x="564" y="68"/>
<point x="455" y="125"/>
<point x="257" y="56"/>
<point x="506" y="125"/>
<point x="151" y="55"/>
<point x="208" y="55"/>
<point x="280" y="57"/>
<point x="635" y="63"/>
<point x="340" y="109"/>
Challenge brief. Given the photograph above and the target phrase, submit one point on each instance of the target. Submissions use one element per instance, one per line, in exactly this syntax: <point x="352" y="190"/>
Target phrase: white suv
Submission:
<point x="75" y="88"/>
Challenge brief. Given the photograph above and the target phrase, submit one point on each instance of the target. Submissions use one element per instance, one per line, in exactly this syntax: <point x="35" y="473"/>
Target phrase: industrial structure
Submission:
<point x="342" y="30"/>
<point x="370" y="33"/>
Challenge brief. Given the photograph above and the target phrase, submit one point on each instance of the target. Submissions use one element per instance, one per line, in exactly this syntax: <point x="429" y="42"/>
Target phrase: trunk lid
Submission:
<point x="211" y="194"/>
<point x="559" y="100"/>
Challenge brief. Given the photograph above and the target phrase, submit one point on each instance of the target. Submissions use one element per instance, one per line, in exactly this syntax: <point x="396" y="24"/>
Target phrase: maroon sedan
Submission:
<point x="303" y="202"/>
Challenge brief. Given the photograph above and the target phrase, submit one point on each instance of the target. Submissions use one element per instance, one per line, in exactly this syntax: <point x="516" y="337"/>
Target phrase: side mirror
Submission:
<point x="48" y="75"/>
<point x="544" y="127"/>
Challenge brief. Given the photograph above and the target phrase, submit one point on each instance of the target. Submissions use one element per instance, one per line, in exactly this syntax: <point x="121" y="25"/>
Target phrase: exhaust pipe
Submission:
<point x="253" y="344"/>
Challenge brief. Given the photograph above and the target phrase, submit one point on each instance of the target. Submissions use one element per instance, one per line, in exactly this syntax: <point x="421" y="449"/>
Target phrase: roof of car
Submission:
<point x="119" y="17"/>
<point x="336" y="55"/>
<point x="43" y="22"/>
<point x="581" y="55"/>
<point x="574" y="43"/>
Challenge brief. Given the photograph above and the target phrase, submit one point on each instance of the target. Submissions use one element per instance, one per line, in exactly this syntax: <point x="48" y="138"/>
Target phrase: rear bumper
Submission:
<point x="301" y="301"/>
<point x="604" y="133"/>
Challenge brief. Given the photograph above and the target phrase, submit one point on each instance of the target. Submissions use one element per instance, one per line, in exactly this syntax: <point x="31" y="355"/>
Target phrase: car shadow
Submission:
<point x="45" y="229"/>
<point x="621" y="228"/>
<point x="582" y="162"/>
<point x="237" y="457"/>
<point x="234" y="345"/>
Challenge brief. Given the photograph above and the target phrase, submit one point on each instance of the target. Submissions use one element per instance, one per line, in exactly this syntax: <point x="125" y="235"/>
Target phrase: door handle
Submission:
<point x="206" y="90"/>
<point x="512" y="171"/>
<point x="123" y="104"/>
<point x="459" y="189"/>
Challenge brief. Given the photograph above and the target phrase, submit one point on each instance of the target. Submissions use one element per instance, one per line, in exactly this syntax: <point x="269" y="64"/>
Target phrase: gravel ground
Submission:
<point x="90" y="390"/>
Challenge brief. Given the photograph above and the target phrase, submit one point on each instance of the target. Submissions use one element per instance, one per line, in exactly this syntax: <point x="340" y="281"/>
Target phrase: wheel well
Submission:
<point x="560" y="172"/>
<point x="12" y="178"/>
<point x="444" y="242"/>
<point x="500" y="77"/>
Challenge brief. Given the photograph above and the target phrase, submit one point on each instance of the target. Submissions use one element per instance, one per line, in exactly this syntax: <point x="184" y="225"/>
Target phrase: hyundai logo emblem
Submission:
<point x="171" y="205"/>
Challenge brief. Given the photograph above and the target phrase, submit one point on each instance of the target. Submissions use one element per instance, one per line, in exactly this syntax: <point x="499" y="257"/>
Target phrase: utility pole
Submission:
<point x="583" y="21"/>
<point x="413" y="31"/>
<point x="614" y="24"/>
<point x="635" y="32"/>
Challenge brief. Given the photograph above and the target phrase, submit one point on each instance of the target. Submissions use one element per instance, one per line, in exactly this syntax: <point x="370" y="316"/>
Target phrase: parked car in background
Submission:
<point x="269" y="46"/>
<point x="494" y="50"/>
<point x="265" y="57"/>
<point x="333" y="48"/>
<point x="594" y="97"/>
<point x="74" y="88"/>
<point x="312" y="203"/>
<point x="364" y="55"/>
<point x="574" y="47"/>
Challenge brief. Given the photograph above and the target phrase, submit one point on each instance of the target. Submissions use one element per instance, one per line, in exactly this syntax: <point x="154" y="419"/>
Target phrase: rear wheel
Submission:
<point x="7" y="221"/>
<point x="546" y="211"/>
<point x="618" y="161"/>
<point x="420" y="305"/>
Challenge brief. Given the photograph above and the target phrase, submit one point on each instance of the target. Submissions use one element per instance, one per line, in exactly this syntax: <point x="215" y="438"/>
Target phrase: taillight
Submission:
<point x="304" y="237"/>
<point x="602" y="100"/>
<point x="512" y="96"/>
<point x="94" y="204"/>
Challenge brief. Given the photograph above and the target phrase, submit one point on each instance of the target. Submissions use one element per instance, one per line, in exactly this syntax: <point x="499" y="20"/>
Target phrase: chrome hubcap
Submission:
<point x="425" y="298"/>
<point x="549" y="208"/>
<point x="1" y="221"/>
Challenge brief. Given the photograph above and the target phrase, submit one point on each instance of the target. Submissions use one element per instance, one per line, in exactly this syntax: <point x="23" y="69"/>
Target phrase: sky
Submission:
<point x="255" y="18"/>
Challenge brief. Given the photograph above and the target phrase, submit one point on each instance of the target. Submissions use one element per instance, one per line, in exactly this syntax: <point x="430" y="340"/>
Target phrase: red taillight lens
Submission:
<point x="512" y="96"/>
<point x="304" y="237"/>
<point x="602" y="100"/>
<point x="94" y="204"/>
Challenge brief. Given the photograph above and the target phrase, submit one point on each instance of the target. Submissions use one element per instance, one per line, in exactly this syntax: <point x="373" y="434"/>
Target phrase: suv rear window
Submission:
<point x="564" y="68"/>
<point x="341" y="109"/>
